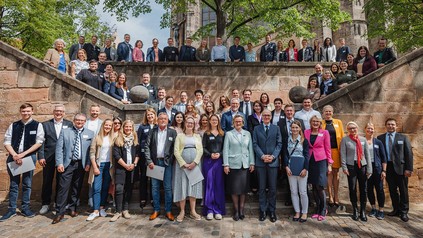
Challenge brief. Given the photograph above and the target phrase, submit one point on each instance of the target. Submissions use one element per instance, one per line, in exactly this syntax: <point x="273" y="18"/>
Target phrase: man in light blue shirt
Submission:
<point x="219" y="51"/>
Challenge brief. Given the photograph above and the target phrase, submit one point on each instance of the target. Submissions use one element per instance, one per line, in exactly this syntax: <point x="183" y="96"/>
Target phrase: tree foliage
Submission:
<point x="33" y="25"/>
<point x="400" y="21"/>
<point x="250" y="19"/>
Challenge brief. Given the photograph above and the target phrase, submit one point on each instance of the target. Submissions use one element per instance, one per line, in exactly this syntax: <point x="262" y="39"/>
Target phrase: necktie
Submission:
<point x="267" y="130"/>
<point x="289" y="126"/>
<point x="76" y="147"/>
<point x="247" y="108"/>
<point x="390" y="146"/>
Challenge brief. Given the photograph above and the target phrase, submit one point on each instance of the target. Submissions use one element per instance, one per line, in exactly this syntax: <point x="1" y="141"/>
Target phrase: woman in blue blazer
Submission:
<point x="119" y="89"/>
<point x="378" y="158"/>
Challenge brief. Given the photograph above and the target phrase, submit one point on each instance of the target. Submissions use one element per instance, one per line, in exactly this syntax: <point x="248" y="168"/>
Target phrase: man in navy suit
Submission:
<point x="226" y="120"/>
<point x="267" y="144"/>
<point x="72" y="160"/>
<point x="399" y="167"/>
<point x="168" y="109"/>
<point x="246" y="106"/>
<point x="124" y="50"/>
<point x="268" y="50"/>
<point x="47" y="153"/>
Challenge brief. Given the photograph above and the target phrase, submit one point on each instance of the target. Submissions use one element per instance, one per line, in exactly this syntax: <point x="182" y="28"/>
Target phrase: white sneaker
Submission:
<point x="103" y="213"/>
<point x="92" y="216"/>
<point x="44" y="209"/>
<point x="126" y="214"/>
<point x="209" y="216"/>
<point x="218" y="217"/>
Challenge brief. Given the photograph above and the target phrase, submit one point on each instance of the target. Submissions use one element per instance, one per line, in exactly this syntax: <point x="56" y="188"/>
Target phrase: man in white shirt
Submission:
<point x="307" y="112"/>
<point x="278" y="112"/>
<point x="94" y="123"/>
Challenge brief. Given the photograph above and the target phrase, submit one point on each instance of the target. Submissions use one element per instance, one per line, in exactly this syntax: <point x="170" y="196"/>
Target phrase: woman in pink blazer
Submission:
<point x="320" y="164"/>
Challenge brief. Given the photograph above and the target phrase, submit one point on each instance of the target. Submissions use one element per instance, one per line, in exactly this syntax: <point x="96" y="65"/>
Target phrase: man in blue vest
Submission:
<point x="22" y="140"/>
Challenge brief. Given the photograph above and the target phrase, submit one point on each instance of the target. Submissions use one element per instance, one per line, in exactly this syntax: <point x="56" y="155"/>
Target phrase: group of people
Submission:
<point x="239" y="148"/>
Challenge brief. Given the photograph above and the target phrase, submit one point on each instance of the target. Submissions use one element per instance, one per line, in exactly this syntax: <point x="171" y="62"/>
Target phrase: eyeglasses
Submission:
<point x="351" y="128"/>
<point x="117" y="123"/>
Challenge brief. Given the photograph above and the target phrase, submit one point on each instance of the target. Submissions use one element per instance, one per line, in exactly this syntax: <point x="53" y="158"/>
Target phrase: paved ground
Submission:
<point x="337" y="225"/>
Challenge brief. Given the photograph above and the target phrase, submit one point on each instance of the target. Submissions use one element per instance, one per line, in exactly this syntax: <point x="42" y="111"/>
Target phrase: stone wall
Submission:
<point x="393" y="91"/>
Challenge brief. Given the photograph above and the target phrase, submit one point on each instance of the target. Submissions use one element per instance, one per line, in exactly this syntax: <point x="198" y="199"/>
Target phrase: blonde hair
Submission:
<point x="101" y="134"/>
<point x="298" y="123"/>
<point x="120" y="140"/>
<point x="318" y="118"/>
<point x="186" y="120"/>
<point x="144" y="119"/>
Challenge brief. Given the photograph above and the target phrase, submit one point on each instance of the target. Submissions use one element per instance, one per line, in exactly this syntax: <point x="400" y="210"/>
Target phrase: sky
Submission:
<point x="145" y="27"/>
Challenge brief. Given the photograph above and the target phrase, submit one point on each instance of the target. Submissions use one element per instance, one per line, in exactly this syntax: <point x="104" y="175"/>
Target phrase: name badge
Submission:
<point x="362" y="143"/>
<point x="320" y="134"/>
<point x="151" y="90"/>
<point x="336" y="125"/>
<point x="239" y="50"/>
<point x="173" y="52"/>
<point x="64" y="127"/>
<point x="173" y="113"/>
<point x="377" y="146"/>
<point x="193" y="49"/>
<point x="283" y="117"/>
<point x="400" y="142"/>
<point x="32" y="132"/>
<point x="142" y="150"/>
<point x="85" y="136"/>
<point x="146" y="130"/>
<point x="170" y="138"/>
<point x="211" y="137"/>
<point x="348" y="75"/>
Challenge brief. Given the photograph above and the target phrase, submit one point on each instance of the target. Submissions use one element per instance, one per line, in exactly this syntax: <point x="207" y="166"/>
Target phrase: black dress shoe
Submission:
<point x="73" y="213"/>
<point x="272" y="216"/>
<point x="262" y="216"/>
<point x="302" y="220"/>
<point x="235" y="217"/>
<point x="404" y="217"/>
<point x="394" y="213"/>
<point x="142" y="204"/>
<point x="295" y="219"/>
<point x="241" y="215"/>
<point x="57" y="219"/>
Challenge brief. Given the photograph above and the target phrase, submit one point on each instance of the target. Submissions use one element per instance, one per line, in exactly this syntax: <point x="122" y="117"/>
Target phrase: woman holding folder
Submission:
<point x="188" y="152"/>
<point x="296" y="166"/>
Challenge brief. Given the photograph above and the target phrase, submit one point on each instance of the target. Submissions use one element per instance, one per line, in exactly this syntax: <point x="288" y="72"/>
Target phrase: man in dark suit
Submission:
<point x="226" y="120"/>
<point x="124" y="50"/>
<point x="160" y="101"/>
<point x="72" y="160"/>
<point x="284" y="124"/>
<point x="92" y="49"/>
<point x="399" y="167"/>
<point x="246" y="106"/>
<point x="278" y="113"/>
<point x="159" y="151"/>
<point x="267" y="144"/>
<point x="306" y="53"/>
<point x="187" y="52"/>
<point x="318" y="73"/>
<point x="168" y="109"/>
<point x="384" y="55"/>
<point x="47" y="153"/>
<point x="73" y="50"/>
<point x="152" y="90"/>
<point x="268" y="50"/>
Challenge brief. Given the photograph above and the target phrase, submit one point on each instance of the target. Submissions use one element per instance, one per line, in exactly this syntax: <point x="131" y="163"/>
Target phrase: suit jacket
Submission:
<point x="285" y="133"/>
<point x="267" y="145"/>
<point x="53" y="56"/>
<point x="237" y="153"/>
<point x="226" y="120"/>
<point x="156" y="104"/>
<point x="180" y="145"/>
<point x="321" y="147"/>
<point x="113" y="53"/>
<point x="282" y="115"/>
<point x="150" y="148"/>
<point x="269" y="54"/>
<point x="117" y="93"/>
<point x="241" y="108"/>
<point x="172" y="113"/>
<point x="308" y="55"/>
<point x="73" y="51"/>
<point x="342" y="53"/>
<point x="252" y="122"/>
<point x="339" y="130"/>
<point x="65" y="146"/>
<point x="123" y="50"/>
<point x="379" y="156"/>
<point x="348" y="153"/>
<point x="402" y="154"/>
<point x="48" y="148"/>
<point x="151" y="56"/>
<point x="388" y="56"/>
<point x="92" y="51"/>
<point x="187" y="53"/>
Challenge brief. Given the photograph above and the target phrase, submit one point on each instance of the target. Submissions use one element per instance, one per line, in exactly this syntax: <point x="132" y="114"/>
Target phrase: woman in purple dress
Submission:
<point x="214" y="191"/>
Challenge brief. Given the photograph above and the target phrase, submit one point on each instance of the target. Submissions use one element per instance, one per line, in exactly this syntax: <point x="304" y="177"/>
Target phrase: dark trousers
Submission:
<point x="70" y="180"/>
<point x="48" y="176"/>
<point x="397" y="182"/>
<point x="357" y="174"/>
<point x="375" y="183"/>
<point x="267" y="178"/>
<point x="123" y="193"/>
<point x="143" y="182"/>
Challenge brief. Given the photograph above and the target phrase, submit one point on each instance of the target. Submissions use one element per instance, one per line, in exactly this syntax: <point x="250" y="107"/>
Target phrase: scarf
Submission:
<point x="326" y="86"/>
<point x="128" y="141"/>
<point x="358" y="149"/>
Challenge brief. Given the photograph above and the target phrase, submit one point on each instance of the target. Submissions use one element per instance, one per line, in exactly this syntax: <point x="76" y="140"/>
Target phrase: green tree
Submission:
<point x="248" y="18"/>
<point x="33" y="25"/>
<point x="400" y="21"/>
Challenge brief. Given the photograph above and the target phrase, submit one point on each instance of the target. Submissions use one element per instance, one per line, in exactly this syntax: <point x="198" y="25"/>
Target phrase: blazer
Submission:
<point x="151" y="56"/>
<point x="53" y="56"/>
<point x="117" y="93"/>
<point x="402" y="154"/>
<point x="378" y="155"/>
<point x="241" y="108"/>
<point x="388" y="56"/>
<point x="180" y="145"/>
<point x="113" y="53"/>
<point x="369" y="66"/>
<point x="342" y="53"/>
<point x="237" y="153"/>
<point x="48" y="148"/>
<point x="252" y="122"/>
<point x="187" y="53"/>
<point x="321" y="147"/>
<point x="267" y="145"/>
<point x="288" y="56"/>
<point x="308" y="54"/>
<point x="150" y="147"/>
<point x="173" y="111"/>
<point x="282" y="115"/>
<point x="65" y="143"/>
<point x="285" y="133"/>
<point x="204" y="56"/>
<point x="138" y="55"/>
<point x="123" y="50"/>
<point x="349" y="153"/>
<point x="95" y="149"/>
<point x="339" y="130"/>
<point x="331" y="53"/>
<point x="269" y="54"/>
<point x="92" y="51"/>
<point x="226" y="120"/>
<point x="119" y="152"/>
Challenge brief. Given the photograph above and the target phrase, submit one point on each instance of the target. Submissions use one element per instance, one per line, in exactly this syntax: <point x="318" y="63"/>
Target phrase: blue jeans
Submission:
<point x="101" y="186"/>
<point x="167" y="184"/>
<point x="26" y="189"/>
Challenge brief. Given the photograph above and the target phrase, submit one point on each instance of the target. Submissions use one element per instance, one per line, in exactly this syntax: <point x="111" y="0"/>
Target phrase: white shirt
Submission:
<point x="93" y="125"/>
<point x="276" y="117"/>
<point x="58" y="127"/>
<point x="306" y="115"/>
<point x="161" y="140"/>
<point x="128" y="156"/>
<point x="105" y="150"/>
<point x="39" y="138"/>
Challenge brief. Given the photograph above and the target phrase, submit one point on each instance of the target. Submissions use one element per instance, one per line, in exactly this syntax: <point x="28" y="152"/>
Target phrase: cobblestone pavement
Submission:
<point x="339" y="224"/>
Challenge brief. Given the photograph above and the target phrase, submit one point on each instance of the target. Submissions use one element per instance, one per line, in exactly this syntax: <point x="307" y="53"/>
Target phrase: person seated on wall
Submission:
<point x="57" y="57"/>
<point x="91" y="77"/>
<point x="384" y="55"/>
<point x="345" y="76"/>
<point x="119" y="89"/>
<point x="334" y="69"/>
<point x="328" y="85"/>
<point x="364" y="63"/>
<point x="291" y="52"/>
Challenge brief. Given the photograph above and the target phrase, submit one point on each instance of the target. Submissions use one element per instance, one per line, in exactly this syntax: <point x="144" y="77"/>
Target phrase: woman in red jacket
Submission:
<point x="364" y="63"/>
<point x="291" y="52"/>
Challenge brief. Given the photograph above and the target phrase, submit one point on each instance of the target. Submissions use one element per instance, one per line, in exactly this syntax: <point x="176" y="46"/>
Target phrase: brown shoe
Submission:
<point x="57" y="219"/>
<point x="170" y="216"/>
<point x="154" y="215"/>
<point x="73" y="213"/>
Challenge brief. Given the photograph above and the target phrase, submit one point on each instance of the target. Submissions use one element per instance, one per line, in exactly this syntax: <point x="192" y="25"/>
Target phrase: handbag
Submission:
<point x="296" y="163"/>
